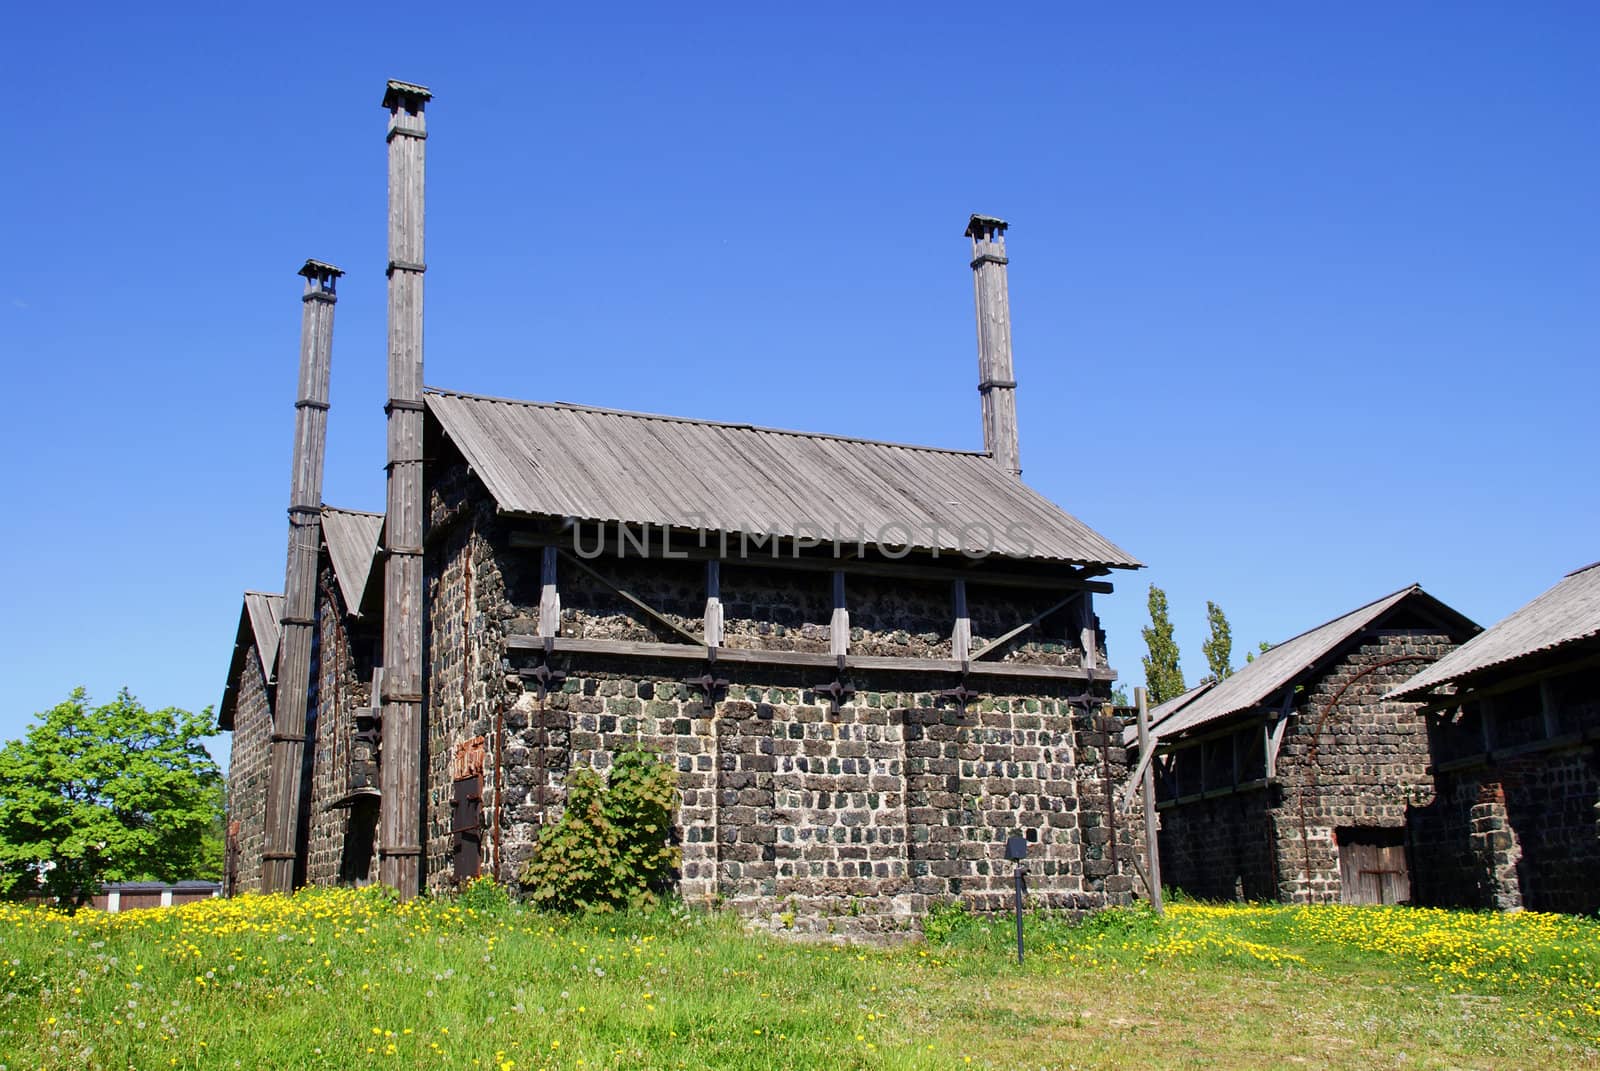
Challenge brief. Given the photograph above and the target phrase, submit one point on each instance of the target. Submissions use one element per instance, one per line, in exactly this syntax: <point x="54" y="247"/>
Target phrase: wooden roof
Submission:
<point x="351" y="537"/>
<point x="1567" y="614"/>
<point x="259" y="630"/>
<point x="560" y="460"/>
<point x="1261" y="682"/>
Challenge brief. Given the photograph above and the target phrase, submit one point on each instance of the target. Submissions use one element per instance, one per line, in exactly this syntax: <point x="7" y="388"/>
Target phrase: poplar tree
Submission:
<point x="1161" y="673"/>
<point x="1218" y="647"/>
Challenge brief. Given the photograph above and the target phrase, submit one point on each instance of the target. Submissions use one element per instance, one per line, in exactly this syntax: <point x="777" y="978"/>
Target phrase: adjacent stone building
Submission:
<point x="246" y="712"/>
<point x="1296" y="778"/>
<point x="1514" y="718"/>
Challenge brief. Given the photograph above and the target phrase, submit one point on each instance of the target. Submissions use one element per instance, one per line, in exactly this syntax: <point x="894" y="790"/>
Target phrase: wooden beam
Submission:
<point x="1062" y="578"/>
<point x="1549" y="706"/>
<point x="1147" y="749"/>
<point x="650" y="611"/>
<point x="1005" y="638"/>
<point x="806" y="659"/>
<point x="1273" y="738"/>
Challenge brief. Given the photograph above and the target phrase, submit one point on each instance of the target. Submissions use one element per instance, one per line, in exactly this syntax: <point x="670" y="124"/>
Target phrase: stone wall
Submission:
<point x="852" y="820"/>
<point x="247" y="777"/>
<point x="1222" y="849"/>
<point x="337" y="839"/>
<point x="1520" y="830"/>
<point x="1362" y="764"/>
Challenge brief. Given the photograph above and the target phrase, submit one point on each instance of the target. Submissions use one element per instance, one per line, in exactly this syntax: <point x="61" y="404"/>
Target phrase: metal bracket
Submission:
<point x="838" y="690"/>
<point x="960" y="693"/>
<point x="709" y="684"/>
<point x="547" y="676"/>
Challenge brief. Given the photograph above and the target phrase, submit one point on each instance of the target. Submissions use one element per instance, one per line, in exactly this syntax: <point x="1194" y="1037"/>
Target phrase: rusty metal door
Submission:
<point x="1372" y="867"/>
<point x="466" y="821"/>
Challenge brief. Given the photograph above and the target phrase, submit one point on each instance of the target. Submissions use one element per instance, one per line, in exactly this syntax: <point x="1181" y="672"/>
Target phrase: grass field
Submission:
<point x="344" y="979"/>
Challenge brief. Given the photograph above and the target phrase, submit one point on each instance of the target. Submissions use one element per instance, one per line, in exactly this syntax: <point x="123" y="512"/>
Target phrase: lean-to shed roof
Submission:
<point x="259" y="629"/>
<point x="1567" y="613"/>
<point x="352" y="539"/>
<point x="562" y="460"/>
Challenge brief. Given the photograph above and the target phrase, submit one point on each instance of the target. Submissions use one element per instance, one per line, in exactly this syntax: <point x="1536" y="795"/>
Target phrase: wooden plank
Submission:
<point x="1068" y="579"/>
<point x="806" y="659"/>
<point x="650" y="611"/>
<point x="285" y="763"/>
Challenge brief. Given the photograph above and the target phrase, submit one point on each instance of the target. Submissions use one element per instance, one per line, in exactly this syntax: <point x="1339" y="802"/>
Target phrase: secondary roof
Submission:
<point x="1262" y="681"/>
<point x="1568" y="613"/>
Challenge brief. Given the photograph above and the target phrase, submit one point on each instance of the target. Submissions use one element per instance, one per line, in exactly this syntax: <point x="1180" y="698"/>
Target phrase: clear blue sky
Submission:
<point x="1305" y="303"/>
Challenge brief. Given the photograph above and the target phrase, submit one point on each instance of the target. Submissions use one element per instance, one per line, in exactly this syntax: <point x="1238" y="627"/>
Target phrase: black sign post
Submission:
<point x="1017" y="851"/>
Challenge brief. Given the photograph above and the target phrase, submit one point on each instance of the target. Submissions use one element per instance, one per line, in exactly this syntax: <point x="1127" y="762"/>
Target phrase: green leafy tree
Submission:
<point x="1250" y="656"/>
<point x="1161" y="673"/>
<point x="1218" y="647"/>
<point x="611" y="848"/>
<point x="108" y="793"/>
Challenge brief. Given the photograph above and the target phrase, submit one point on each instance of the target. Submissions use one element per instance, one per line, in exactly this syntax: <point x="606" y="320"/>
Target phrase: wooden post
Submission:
<point x="997" y="383"/>
<point x="961" y="635"/>
<point x="713" y="618"/>
<point x="1152" y="849"/>
<point x="400" y="819"/>
<point x="286" y="760"/>
<point x="549" y="595"/>
<point x="839" y="625"/>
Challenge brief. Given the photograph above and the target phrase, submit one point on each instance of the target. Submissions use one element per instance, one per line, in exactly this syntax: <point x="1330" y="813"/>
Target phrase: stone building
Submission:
<point x="337" y="816"/>
<point x="1514" y="717"/>
<point x="1294" y="778"/>
<point x="869" y="662"/>
<point x="246" y="712"/>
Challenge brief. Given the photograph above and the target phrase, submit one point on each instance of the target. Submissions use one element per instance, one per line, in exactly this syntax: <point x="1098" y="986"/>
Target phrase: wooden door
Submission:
<point x="1372" y="867"/>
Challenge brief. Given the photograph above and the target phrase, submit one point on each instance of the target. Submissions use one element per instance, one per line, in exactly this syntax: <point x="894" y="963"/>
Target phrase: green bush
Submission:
<point x="611" y="847"/>
<point x="485" y="896"/>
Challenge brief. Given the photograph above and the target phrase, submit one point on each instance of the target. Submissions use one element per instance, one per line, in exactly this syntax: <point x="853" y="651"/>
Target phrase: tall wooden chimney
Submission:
<point x="997" y="384"/>
<point x="400" y="779"/>
<point x="287" y="757"/>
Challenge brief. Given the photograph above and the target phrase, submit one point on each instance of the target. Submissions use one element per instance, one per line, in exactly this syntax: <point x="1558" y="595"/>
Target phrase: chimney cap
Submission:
<point x="980" y="225"/>
<point x="403" y="94"/>
<point x="317" y="269"/>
